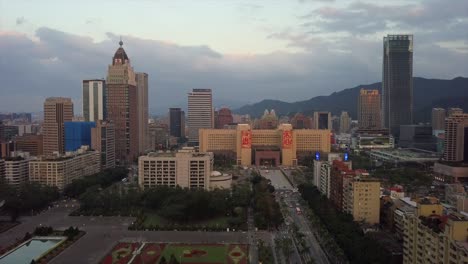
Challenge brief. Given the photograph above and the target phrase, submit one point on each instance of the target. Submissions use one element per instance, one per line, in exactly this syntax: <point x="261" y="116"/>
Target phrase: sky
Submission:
<point x="245" y="51"/>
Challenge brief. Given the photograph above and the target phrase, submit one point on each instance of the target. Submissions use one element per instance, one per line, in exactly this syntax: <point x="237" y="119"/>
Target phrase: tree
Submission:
<point x="173" y="260"/>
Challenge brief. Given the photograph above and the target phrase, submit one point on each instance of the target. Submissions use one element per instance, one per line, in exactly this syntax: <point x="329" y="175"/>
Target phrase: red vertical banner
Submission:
<point x="287" y="139"/>
<point x="246" y="138"/>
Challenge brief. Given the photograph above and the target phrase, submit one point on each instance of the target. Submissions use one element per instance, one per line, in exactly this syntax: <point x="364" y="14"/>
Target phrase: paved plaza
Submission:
<point x="102" y="233"/>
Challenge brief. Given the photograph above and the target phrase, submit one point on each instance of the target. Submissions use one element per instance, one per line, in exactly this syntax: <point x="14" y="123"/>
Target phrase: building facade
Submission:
<point x="186" y="168"/>
<point x="345" y="122"/>
<point x="94" y="100"/>
<point x="369" y="112"/>
<point x="77" y="134"/>
<point x="103" y="140"/>
<point x="57" y="111"/>
<point x="122" y="106"/>
<point x="33" y="144"/>
<point x="223" y="118"/>
<point x="269" y="120"/>
<point x="61" y="171"/>
<point x="275" y="147"/>
<point x="322" y="120"/>
<point x="200" y="113"/>
<point x="143" y="132"/>
<point x="433" y="237"/>
<point x="177" y="122"/>
<point x="454" y="111"/>
<point x="456" y="138"/>
<point x="438" y="118"/>
<point x="16" y="171"/>
<point x="300" y="121"/>
<point x="397" y="82"/>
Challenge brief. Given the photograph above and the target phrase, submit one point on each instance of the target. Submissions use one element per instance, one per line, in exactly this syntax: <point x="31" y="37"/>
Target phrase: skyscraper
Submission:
<point x="94" y="100"/>
<point x="142" y="88"/>
<point x="369" y="109"/>
<point x="322" y="120"/>
<point x="397" y="83"/>
<point x="200" y="113"/>
<point x="438" y="118"/>
<point x="122" y="106"/>
<point x="57" y="111"/>
<point x="176" y="122"/>
<point x="456" y="138"/>
<point x="345" y="122"/>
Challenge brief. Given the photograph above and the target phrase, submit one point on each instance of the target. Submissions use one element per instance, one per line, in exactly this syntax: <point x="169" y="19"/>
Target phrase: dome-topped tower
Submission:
<point x="120" y="56"/>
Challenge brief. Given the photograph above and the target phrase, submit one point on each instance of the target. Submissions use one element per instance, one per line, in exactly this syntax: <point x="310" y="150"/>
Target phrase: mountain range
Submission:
<point x="427" y="93"/>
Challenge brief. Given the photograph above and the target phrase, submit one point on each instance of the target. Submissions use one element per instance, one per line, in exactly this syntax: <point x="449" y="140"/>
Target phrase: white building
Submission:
<point x="62" y="170"/>
<point x="16" y="170"/>
<point x="200" y="113"/>
<point x="94" y="100"/>
<point x="186" y="168"/>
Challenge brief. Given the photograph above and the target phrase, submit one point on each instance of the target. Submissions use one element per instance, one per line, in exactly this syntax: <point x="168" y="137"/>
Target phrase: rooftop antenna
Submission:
<point x="120" y="42"/>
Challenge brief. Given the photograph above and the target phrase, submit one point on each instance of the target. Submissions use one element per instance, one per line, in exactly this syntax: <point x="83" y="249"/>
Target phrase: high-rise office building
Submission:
<point x="122" y="106"/>
<point x="438" y="118"/>
<point x="322" y="120"/>
<point x="142" y="88"/>
<point x="397" y="83"/>
<point x="94" y="100"/>
<point x="103" y="140"/>
<point x="454" y="110"/>
<point x="200" y="113"/>
<point x="456" y="138"/>
<point x="57" y="111"/>
<point x="345" y="122"/>
<point x="176" y="122"/>
<point x="369" y="112"/>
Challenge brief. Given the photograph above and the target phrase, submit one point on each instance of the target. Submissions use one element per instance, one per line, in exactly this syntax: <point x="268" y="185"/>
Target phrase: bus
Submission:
<point x="298" y="210"/>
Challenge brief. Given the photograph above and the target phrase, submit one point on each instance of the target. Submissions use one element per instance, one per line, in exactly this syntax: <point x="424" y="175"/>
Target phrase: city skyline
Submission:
<point x="344" y="51"/>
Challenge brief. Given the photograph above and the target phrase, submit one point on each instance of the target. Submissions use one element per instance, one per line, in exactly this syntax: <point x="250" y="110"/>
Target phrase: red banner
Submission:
<point x="287" y="139"/>
<point x="246" y="139"/>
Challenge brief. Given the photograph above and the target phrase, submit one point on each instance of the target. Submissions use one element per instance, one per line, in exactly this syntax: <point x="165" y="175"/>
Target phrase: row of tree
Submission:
<point x="102" y="179"/>
<point x="26" y="198"/>
<point x="176" y="204"/>
<point x="267" y="210"/>
<point x="358" y="247"/>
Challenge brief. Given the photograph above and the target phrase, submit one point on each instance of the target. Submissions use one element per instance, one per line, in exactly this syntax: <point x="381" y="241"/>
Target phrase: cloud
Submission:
<point x="20" y="21"/>
<point x="55" y="62"/>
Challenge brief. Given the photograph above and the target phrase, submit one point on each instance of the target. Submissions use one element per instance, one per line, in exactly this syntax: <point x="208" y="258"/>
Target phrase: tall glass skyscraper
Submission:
<point x="397" y="82"/>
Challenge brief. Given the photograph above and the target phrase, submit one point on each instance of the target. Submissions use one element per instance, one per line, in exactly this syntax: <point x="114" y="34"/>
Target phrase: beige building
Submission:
<point x="369" y="113"/>
<point x="280" y="146"/>
<point x="63" y="170"/>
<point x="142" y="87"/>
<point x="361" y="198"/>
<point x="185" y="168"/>
<point x="57" y="111"/>
<point x="16" y="170"/>
<point x="454" y="111"/>
<point x="438" y="118"/>
<point x="456" y="138"/>
<point x="345" y="122"/>
<point x="322" y="120"/>
<point x="103" y="140"/>
<point x="430" y="237"/>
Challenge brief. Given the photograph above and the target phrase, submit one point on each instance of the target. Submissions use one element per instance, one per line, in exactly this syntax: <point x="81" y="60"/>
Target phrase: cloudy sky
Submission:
<point x="245" y="51"/>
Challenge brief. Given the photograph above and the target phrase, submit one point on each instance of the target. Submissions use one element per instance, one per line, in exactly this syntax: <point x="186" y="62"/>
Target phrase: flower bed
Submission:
<point x="121" y="253"/>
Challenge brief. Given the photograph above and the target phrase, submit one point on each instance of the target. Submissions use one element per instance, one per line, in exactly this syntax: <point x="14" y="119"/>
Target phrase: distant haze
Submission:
<point x="245" y="52"/>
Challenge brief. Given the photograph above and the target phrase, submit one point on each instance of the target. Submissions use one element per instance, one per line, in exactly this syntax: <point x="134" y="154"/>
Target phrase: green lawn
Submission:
<point x="214" y="253"/>
<point x="153" y="219"/>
